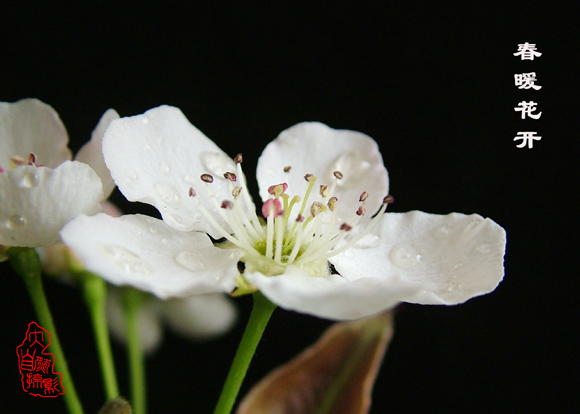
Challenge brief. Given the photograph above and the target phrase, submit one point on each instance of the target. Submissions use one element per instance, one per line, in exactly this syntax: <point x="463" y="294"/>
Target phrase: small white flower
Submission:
<point x="40" y="188"/>
<point x="198" y="318"/>
<point x="322" y="249"/>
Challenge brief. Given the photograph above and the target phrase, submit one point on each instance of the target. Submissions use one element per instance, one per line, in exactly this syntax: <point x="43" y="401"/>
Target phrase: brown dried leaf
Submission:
<point x="333" y="376"/>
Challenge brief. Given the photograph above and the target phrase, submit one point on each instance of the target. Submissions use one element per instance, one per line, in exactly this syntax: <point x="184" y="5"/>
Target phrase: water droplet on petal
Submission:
<point x="192" y="261"/>
<point x="442" y="231"/>
<point x="484" y="248"/>
<point x="125" y="259"/>
<point x="348" y="254"/>
<point x="164" y="167"/>
<point x="152" y="229"/>
<point x="176" y="218"/>
<point x="164" y="240"/>
<point x="472" y="225"/>
<point x="190" y="179"/>
<point x="15" y="223"/>
<point x="168" y="194"/>
<point x="454" y="287"/>
<point x="196" y="215"/>
<point x="217" y="163"/>
<point x="30" y="180"/>
<point x="405" y="256"/>
<point x="352" y="165"/>
<point x="150" y="220"/>
<point x="145" y="120"/>
<point x="131" y="176"/>
<point x="370" y="240"/>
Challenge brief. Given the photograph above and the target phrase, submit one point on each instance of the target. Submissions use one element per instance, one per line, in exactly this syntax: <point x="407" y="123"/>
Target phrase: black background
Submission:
<point x="433" y="84"/>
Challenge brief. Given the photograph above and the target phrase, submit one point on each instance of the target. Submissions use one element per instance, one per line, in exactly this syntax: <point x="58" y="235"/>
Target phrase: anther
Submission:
<point x="277" y="189"/>
<point x="388" y="199"/>
<point x="287" y="169"/>
<point x="332" y="203"/>
<point x="310" y="178"/>
<point x="363" y="197"/>
<point x="206" y="178"/>
<point x="361" y="211"/>
<point x="31" y="159"/>
<point x="324" y="190"/>
<point x="1" y="169"/>
<point x="316" y="208"/>
<point x="300" y="218"/>
<point x="236" y="191"/>
<point x="238" y="159"/>
<point x="272" y="207"/>
<point x="17" y="160"/>
<point x="345" y="227"/>
<point x="227" y="205"/>
<point x="338" y="175"/>
<point x="230" y="176"/>
<point x="192" y="192"/>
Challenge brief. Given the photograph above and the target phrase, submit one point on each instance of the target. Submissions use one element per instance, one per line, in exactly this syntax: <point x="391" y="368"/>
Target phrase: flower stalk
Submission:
<point x="95" y="294"/>
<point x="261" y="313"/>
<point x="26" y="263"/>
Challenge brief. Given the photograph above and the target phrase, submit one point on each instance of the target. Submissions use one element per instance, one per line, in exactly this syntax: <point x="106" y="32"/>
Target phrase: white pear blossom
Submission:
<point x="326" y="246"/>
<point x="40" y="188"/>
<point x="197" y="317"/>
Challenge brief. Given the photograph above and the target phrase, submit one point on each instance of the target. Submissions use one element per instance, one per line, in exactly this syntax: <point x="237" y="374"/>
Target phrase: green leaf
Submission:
<point x="334" y="376"/>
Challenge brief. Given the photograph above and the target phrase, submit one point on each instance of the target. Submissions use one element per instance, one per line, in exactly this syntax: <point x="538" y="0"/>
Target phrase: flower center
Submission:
<point x="295" y="231"/>
<point x="16" y="161"/>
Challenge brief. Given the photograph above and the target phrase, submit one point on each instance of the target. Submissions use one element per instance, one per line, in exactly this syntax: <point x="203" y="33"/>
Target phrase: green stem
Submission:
<point x="25" y="262"/>
<point x="259" y="318"/>
<point x="95" y="293"/>
<point x="132" y="300"/>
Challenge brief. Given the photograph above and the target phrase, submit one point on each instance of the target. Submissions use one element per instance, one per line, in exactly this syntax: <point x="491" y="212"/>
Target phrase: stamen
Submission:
<point x="332" y="203"/>
<point x="272" y="206"/>
<point x="238" y="158"/>
<point x="192" y="192"/>
<point x="345" y="227"/>
<point x="248" y="200"/>
<point x="277" y="189"/>
<point x="361" y="211"/>
<point x="206" y="178"/>
<point x="338" y="175"/>
<point x="236" y="191"/>
<point x="31" y="159"/>
<point x="287" y="169"/>
<point x="279" y="239"/>
<point x="227" y="205"/>
<point x="230" y="176"/>
<point x="316" y="208"/>
<point x="363" y="197"/>
<point x="16" y="160"/>
<point x="388" y="199"/>
<point x="324" y="190"/>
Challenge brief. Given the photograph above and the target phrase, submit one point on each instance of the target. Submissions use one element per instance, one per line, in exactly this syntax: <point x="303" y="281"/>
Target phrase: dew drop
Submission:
<point x="454" y="287"/>
<point x="190" y="260"/>
<point x="348" y="254"/>
<point x="152" y="229"/>
<point x="217" y="163"/>
<point x="196" y="215"/>
<point x="15" y="223"/>
<point x="176" y="218"/>
<point x="442" y="231"/>
<point x="150" y="220"/>
<point x="190" y="179"/>
<point x="145" y="120"/>
<point x="483" y="248"/>
<point x="472" y="225"/>
<point x="164" y="241"/>
<point x="131" y="176"/>
<point x="30" y="180"/>
<point x="353" y="167"/>
<point x="164" y="167"/>
<point x="168" y="194"/>
<point x="405" y="256"/>
<point x="370" y="240"/>
<point x="125" y="259"/>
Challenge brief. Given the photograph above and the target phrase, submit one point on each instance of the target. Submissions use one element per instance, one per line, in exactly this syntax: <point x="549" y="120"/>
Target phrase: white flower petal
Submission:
<point x="157" y="157"/>
<point x="31" y="126"/>
<point x="200" y="317"/>
<point x="92" y="152"/>
<point x="150" y="331"/>
<point x="331" y="297"/>
<point x="150" y="255"/>
<point x="314" y="148"/>
<point x="449" y="259"/>
<point x="38" y="201"/>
